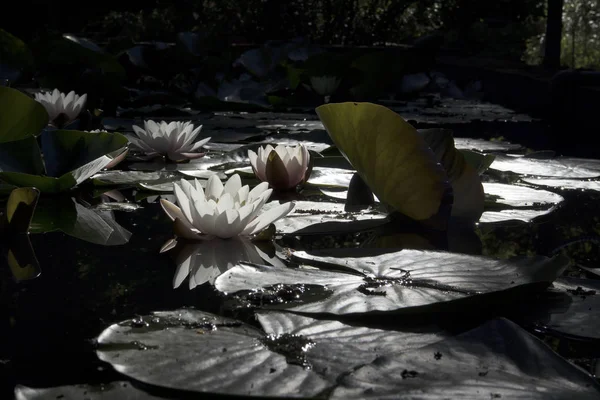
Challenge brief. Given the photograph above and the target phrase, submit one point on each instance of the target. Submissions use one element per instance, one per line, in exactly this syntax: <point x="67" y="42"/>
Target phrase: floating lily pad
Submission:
<point x="519" y="196"/>
<point x="129" y="177"/>
<point x="330" y="177"/>
<point x="566" y="184"/>
<point x="339" y="348"/>
<point x="197" y="351"/>
<point x="311" y="215"/>
<point x="388" y="153"/>
<point x="516" y="203"/>
<point x="105" y="391"/>
<point x="376" y="281"/>
<point x="497" y="360"/>
<point x="571" y="308"/>
<point x="560" y="167"/>
<point x="510" y="216"/>
<point x="484" y="146"/>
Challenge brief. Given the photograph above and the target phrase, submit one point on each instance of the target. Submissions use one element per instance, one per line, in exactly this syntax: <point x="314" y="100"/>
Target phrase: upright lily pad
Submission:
<point x="196" y="351"/>
<point x="466" y="186"/>
<point x="497" y="360"/>
<point x="21" y="115"/>
<point x="70" y="157"/>
<point x="376" y="281"/>
<point x="389" y="154"/>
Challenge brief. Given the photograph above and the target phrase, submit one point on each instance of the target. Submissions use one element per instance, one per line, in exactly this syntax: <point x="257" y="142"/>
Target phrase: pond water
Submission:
<point x="100" y="269"/>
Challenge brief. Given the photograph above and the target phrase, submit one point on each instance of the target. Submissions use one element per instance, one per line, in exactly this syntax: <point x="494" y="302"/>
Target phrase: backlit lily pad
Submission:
<point x="197" y="351"/>
<point x="308" y="214"/>
<point x="571" y="308"/>
<point x="376" y="281"/>
<point x="497" y="360"/>
<point x="339" y="348"/>
<point x="516" y="203"/>
<point x="105" y="391"/>
<point x="560" y="167"/>
<point x="389" y="154"/>
<point x="565" y="184"/>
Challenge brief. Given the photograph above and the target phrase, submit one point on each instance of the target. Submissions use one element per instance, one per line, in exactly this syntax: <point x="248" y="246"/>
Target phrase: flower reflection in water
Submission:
<point x="204" y="261"/>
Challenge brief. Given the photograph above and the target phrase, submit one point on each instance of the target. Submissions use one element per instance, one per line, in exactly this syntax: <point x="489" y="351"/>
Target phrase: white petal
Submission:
<point x="242" y="195"/>
<point x="257" y="191"/>
<point x="225" y="203"/>
<point x="174" y="213"/>
<point x="268" y="217"/>
<point x="214" y="188"/>
<point x="183" y="201"/>
<point x="233" y="184"/>
<point x="227" y="224"/>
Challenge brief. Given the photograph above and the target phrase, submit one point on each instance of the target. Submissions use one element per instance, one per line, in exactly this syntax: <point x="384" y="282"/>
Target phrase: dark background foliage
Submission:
<point x="500" y="27"/>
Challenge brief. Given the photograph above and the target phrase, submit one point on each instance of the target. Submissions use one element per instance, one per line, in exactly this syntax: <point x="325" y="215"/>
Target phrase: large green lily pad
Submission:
<point x="389" y="154"/>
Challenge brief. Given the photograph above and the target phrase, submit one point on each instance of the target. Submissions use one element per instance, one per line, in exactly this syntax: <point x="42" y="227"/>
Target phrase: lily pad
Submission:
<point x="466" y="185"/>
<point x="571" y="308"/>
<point x="110" y="178"/>
<point x="565" y="184"/>
<point x="330" y="177"/>
<point x="388" y="153"/>
<point x="106" y="391"/>
<point x="339" y="347"/>
<point x="196" y="351"/>
<point x="484" y="146"/>
<point x="68" y="216"/>
<point x="21" y="116"/>
<point x="520" y="196"/>
<point x="560" y="167"/>
<point x="496" y="360"/>
<point x="70" y="157"/>
<point x="379" y="281"/>
<point x="517" y="203"/>
<point x="313" y="216"/>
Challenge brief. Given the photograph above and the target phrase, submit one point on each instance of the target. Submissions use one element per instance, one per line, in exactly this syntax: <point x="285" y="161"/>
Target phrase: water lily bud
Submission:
<point x="174" y="140"/>
<point x="61" y="108"/>
<point x="325" y="85"/>
<point x="284" y="167"/>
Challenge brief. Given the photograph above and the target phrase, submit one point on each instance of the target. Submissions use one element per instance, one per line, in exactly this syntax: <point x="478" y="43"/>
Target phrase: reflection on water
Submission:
<point x="204" y="261"/>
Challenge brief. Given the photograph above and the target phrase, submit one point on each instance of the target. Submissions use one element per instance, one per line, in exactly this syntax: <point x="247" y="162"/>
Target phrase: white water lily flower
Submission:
<point x="221" y="210"/>
<point x="174" y="140"/>
<point x="283" y="167"/>
<point x="61" y="108"/>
